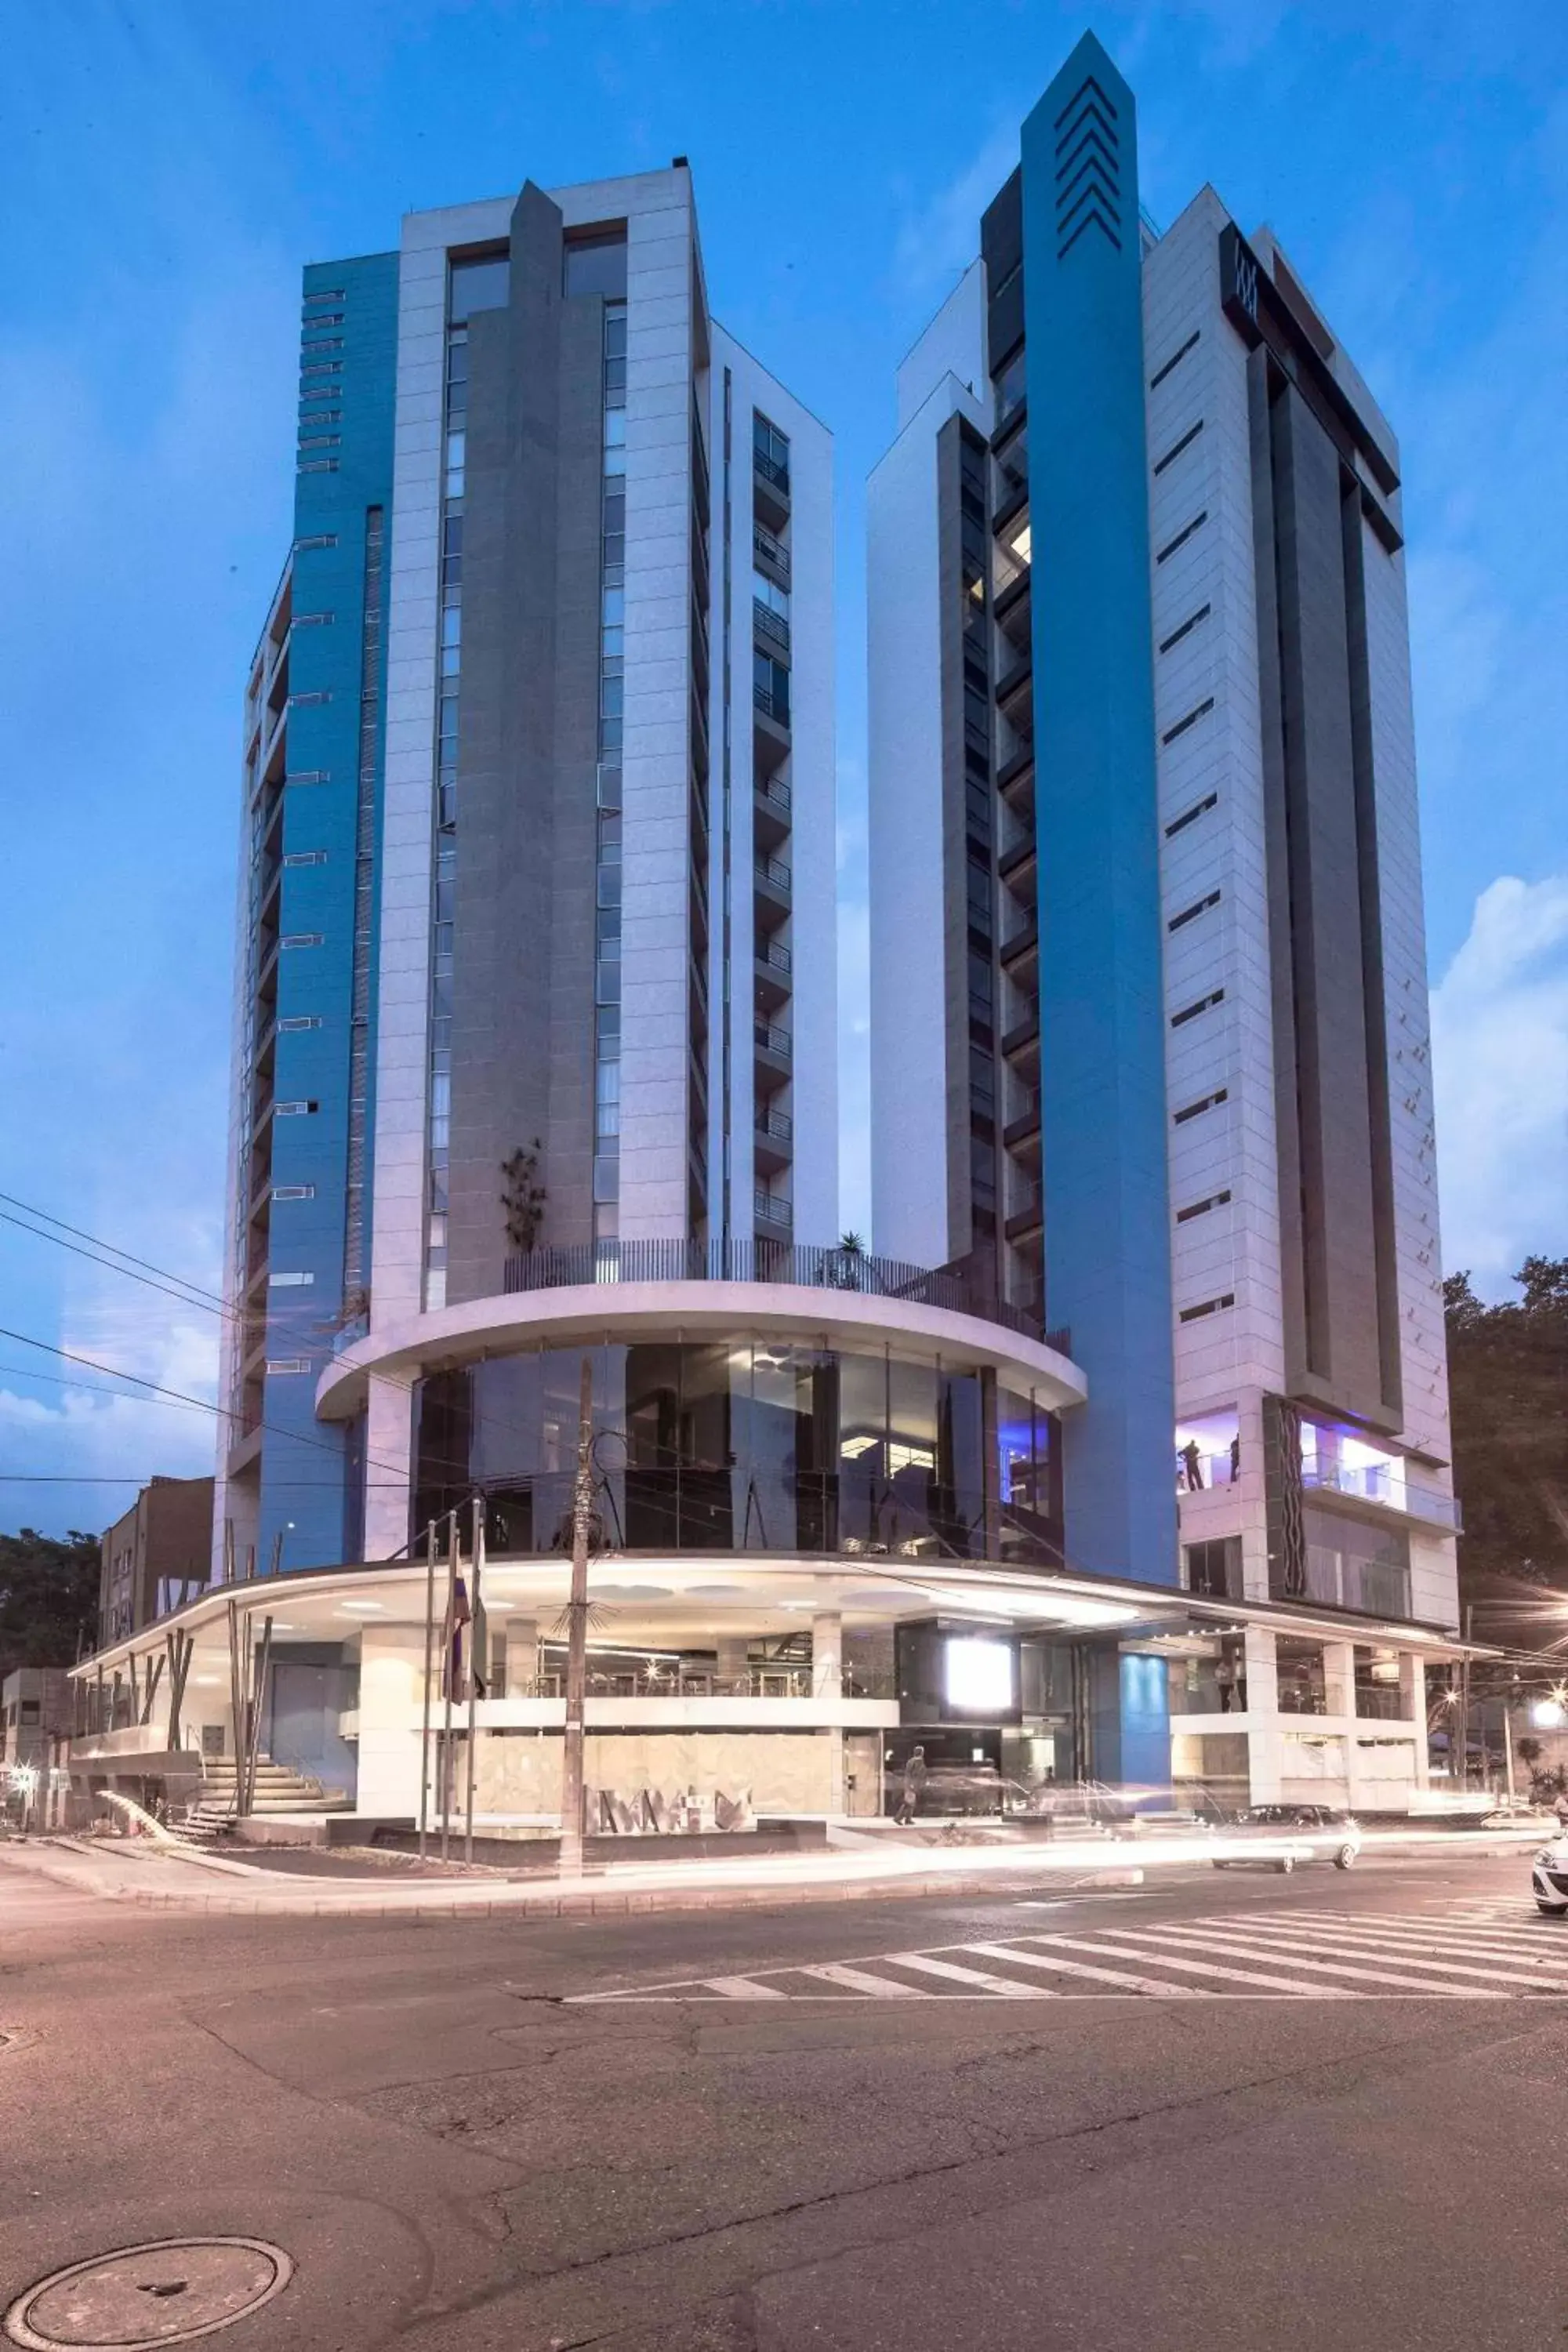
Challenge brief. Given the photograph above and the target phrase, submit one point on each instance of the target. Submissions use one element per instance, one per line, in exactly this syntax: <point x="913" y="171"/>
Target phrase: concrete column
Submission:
<point x="828" y="1682"/>
<point x="391" y="1672"/>
<point x="521" y="1656"/>
<point x="1338" y="1677"/>
<point x="389" y="1457"/>
<point x="732" y="1655"/>
<point x="1262" y="1715"/>
<point x="1413" y="1693"/>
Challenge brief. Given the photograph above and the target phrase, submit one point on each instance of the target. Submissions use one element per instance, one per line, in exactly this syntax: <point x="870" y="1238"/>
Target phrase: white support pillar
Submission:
<point x="1262" y="1715"/>
<point x="1413" y="1693"/>
<point x="389" y="1466"/>
<point x="521" y="1656"/>
<point x="1339" y="1678"/>
<point x="827" y="1654"/>
<point x="828" y="1682"/>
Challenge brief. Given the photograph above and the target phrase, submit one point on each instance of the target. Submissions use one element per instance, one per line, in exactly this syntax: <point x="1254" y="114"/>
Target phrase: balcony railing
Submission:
<point x="803" y="1266"/>
<point x="776" y="1124"/>
<point x="776" y="793"/>
<point x="771" y="1210"/>
<point x="772" y="706"/>
<point x="773" y="473"/>
<point x="778" y="958"/>
<point x="658" y="1681"/>
<point x="773" y="869"/>
<point x="1381" y="1702"/>
<point x="769" y="1038"/>
<point x="770" y="624"/>
<point x="772" y="551"/>
<point x="1385" y="1482"/>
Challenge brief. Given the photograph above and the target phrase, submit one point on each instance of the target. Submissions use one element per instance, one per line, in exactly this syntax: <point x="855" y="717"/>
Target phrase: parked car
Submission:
<point x="1304" y="1833"/>
<point x="1549" y="1877"/>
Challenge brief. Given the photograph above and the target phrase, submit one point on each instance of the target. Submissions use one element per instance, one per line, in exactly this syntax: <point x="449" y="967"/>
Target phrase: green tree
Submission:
<point x="49" y="1598"/>
<point x="1507" y="1377"/>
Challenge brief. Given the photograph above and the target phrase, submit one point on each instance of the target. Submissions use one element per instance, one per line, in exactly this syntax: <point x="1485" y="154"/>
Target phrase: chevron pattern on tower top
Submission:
<point x="1088" y="168"/>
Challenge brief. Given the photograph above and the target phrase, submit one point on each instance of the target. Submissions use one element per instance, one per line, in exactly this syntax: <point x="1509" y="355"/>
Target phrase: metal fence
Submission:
<point x="797" y="1265"/>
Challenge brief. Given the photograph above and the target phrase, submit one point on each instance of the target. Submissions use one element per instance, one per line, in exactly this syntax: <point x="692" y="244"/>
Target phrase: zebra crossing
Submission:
<point x="1497" y="1951"/>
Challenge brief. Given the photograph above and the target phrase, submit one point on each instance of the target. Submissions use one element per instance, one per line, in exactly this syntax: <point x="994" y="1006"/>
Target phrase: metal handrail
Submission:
<point x="773" y="1040"/>
<point x="773" y="869"/>
<point x="772" y="789"/>
<point x="772" y="706"/>
<point x="771" y="470"/>
<point x="776" y="1123"/>
<point x="780" y="958"/>
<point x="772" y="552"/>
<point x="799" y="1264"/>
<point x="771" y="624"/>
<point x="773" y="1211"/>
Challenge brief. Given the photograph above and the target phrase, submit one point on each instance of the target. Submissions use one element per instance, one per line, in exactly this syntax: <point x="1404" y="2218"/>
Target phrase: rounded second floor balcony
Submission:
<point x="757" y="1398"/>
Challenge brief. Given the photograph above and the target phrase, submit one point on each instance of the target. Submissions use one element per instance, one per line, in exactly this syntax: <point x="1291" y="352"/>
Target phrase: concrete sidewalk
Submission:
<point x="168" y="1878"/>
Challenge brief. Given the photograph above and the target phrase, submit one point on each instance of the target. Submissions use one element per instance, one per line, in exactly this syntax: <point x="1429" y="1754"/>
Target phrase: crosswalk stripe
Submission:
<point x="979" y="1979"/>
<point x="861" y="1981"/>
<point x="1196" y="1941"/>
<point x="1506" y="1944"/>
<point x="1440" y="1958"/>
<point x="1059" y="1967"/>
<point x="1192" y="1969"/>
<point x="742" y="1988"/>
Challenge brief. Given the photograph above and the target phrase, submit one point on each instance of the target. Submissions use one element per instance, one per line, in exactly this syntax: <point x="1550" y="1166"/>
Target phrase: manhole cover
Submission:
<point x="163" y="2293"/>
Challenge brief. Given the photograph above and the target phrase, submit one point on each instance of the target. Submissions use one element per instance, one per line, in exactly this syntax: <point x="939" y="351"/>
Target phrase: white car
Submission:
<point x="1549" y="1876"/>
<point x="1293" y="1833"/>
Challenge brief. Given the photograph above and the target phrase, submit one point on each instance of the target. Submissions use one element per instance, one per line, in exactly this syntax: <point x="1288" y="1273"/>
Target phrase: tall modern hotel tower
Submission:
<point x="1149" y="1000"/>
<point x="1119" y="1454"/>
<point x="536" y="937"/>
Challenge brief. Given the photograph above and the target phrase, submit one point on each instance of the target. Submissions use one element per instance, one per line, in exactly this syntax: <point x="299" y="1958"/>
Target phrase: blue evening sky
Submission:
<point x="167" y="168"/>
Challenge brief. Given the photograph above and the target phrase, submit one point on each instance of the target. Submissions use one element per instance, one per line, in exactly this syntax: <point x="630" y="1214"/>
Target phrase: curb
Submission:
<point x="524" y="1907"/>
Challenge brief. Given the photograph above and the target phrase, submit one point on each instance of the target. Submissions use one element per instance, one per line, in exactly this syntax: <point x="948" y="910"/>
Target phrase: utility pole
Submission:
<point x="1464" y="1708"/>
<point x="571" y="1791"/>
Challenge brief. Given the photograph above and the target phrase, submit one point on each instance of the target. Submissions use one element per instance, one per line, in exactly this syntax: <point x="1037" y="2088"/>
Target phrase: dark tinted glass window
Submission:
<point x="479" y="286"/>
<point x="596" y="264"/>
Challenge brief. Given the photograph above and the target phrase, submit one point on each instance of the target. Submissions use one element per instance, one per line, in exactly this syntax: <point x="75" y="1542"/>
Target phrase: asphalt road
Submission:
<point x="1286" y="2113"/>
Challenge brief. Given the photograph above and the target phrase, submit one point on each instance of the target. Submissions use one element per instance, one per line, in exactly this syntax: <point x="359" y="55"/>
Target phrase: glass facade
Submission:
<point x="479" y="285"/>
<point x="746" y="1443"/>
<point x="603" y="256"/>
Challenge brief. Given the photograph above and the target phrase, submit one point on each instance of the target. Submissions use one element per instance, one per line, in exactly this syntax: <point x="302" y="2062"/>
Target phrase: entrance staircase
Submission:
<point x="279" y="1788"/>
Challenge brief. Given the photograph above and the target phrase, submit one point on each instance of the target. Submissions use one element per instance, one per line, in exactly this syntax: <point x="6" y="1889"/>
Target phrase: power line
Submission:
<point x="150" y="1478"/>
<point x="84" y="1388"/>
<point x="205" y="1302"/>
<point x="221" y="1412"/>
<point x="99" y="1243"/>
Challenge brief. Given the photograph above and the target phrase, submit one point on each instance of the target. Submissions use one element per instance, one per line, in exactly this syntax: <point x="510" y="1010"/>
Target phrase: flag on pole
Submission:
<point x="458" y="1614"/>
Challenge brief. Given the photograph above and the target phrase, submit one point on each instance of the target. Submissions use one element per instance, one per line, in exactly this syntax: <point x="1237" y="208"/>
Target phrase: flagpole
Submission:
<point x="474" y="1621"/>
<point x="449" y="1645"/>
<point x="425" y="1722"/>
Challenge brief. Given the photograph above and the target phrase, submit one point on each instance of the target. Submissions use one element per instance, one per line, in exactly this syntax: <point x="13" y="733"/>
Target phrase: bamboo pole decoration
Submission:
<point x="425" y="1722"/>
<point x="178" y="1646"/>
<point x="237" y="1702"/>
<point x="571" y="1777"/>
<point x="149" y="1689"/>
<point x="261" y="1666"/>
<point x="449" y="1650"/>
<point x="474" y="1623"/>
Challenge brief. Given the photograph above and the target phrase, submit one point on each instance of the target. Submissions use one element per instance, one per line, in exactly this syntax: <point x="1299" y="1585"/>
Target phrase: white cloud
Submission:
<point x="1499" y="1049"/>
<point x="939" y="239"/>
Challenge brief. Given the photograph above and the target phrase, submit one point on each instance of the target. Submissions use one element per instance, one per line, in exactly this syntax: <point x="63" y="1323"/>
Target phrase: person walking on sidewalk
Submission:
<point x="914" y="1782"/>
